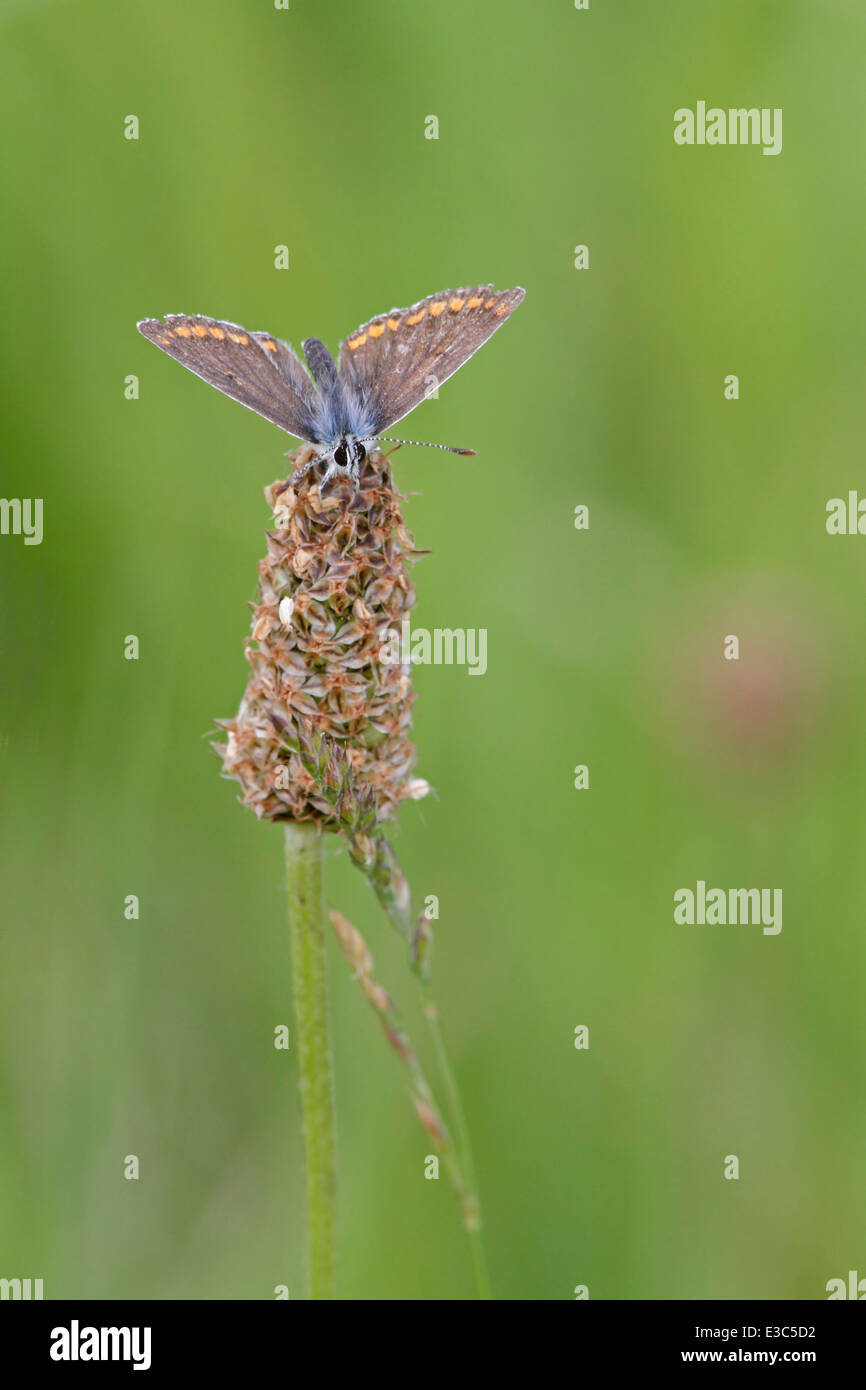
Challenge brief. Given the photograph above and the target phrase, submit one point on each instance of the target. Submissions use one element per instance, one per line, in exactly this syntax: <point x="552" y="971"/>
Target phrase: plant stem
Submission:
<point x="304" y="859"/>
<point x="373" y="855"/>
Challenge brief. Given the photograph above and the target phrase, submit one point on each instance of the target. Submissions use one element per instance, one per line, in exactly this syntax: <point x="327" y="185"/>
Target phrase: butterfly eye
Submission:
<point x="359" y="453"/>
<point x="341" y="455"/>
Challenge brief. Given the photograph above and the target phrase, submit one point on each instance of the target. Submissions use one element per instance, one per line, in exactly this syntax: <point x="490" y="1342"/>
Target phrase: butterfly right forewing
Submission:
<point x="256" y="369"/>
<point x="393" y="362"/>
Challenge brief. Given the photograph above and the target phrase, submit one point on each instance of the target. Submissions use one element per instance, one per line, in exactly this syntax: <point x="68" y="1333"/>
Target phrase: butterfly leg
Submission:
<point x="303" y="469"/>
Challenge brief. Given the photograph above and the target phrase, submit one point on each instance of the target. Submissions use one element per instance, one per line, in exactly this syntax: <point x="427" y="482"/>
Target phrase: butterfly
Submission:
<point x="385" y="368"/>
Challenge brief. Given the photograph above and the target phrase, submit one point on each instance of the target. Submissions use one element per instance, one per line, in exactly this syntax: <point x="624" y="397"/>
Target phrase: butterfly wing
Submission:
<point x="391" y="363"/>
<point x="261" y="372"/>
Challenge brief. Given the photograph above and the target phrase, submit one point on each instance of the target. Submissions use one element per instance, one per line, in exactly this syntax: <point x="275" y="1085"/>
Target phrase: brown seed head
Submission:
<point x="334" y="580"/>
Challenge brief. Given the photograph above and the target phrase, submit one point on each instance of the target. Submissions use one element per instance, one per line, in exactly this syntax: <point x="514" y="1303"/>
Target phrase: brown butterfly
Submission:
<point x="386" y="368"/>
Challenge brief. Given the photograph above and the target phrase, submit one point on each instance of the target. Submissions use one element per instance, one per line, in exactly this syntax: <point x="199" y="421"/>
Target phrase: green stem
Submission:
<point x="304" y="859"/>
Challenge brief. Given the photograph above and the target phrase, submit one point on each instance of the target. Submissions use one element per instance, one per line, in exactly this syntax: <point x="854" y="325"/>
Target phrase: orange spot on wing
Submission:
<point x="182" y="332"/>
<point x="437" y="309"/>
<point x="490" y="303"/>
<point x="269" y="346"/>
<point x="239" y="338"/>
<point x="393" y="324"/>
<point x="416" y="318"/>
<point x="216" y="332"/>
<point x="199" y="330"/>
<point x="166" y="342"/>
<point x="357" y="342"/>
<point x="503" y="308"/>
<point x="376" y="330"/>
<point x="474" y="301"/>
<point x="456" y="304"/>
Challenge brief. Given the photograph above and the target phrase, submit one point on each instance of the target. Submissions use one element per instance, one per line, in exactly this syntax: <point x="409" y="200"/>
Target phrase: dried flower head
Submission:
<point x="334" y="582"/>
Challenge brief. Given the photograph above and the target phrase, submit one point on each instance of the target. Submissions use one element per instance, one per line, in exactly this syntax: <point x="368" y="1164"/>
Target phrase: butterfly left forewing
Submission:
<point x="256" y="369"/>
<point x="392" y="363"/>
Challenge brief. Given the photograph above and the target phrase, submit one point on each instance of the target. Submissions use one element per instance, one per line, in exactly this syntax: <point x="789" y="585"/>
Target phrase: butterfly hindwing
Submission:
<point x="256" y="369"/>
<point x="393" y="362"/>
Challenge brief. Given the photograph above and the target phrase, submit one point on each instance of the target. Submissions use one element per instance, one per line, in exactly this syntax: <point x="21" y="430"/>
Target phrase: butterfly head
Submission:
<point x="348" y="456"/>
<point x="345" y="458"/>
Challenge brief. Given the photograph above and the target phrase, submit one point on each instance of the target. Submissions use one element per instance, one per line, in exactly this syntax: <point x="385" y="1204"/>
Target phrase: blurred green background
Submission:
<point x="305" y="127"/>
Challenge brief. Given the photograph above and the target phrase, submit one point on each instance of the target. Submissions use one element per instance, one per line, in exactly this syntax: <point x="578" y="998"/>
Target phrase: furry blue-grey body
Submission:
<point x="345" y="427"/>
<point x="342" y="408"/>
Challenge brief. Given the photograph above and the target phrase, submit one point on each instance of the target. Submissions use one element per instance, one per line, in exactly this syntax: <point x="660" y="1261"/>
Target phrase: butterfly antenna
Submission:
<point x="423" y="444"/>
